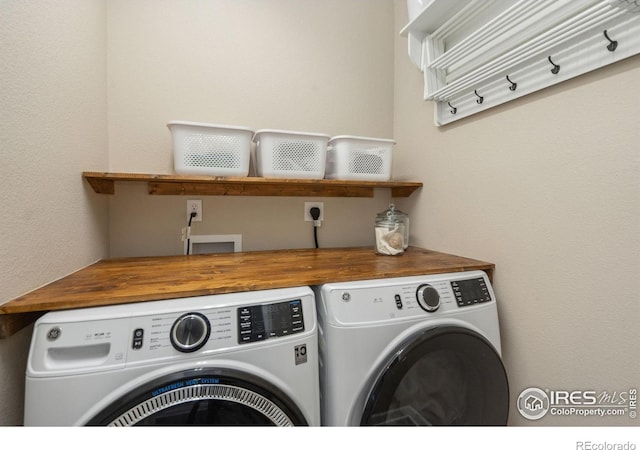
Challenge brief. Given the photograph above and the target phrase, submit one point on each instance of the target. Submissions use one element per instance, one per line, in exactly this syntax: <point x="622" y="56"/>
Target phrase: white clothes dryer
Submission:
<point x="234" y="359"/>
<point x="422" y="350"/>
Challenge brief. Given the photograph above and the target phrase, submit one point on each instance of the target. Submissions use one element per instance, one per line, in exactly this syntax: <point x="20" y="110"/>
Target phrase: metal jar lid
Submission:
<point x="392" y="214"/>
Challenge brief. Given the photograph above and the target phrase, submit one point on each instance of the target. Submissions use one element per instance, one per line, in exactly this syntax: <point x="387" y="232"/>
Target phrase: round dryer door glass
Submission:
<point x="443" y="376"/>
<point x="203" y="397"/>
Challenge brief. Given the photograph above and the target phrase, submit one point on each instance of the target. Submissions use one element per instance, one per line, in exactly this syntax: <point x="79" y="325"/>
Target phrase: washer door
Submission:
<point x="442" y="376"/>
<point x="203" y="397"/>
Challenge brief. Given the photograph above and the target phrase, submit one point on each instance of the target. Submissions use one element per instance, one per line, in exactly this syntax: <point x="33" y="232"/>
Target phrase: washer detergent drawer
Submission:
<point x="64" y="348"/>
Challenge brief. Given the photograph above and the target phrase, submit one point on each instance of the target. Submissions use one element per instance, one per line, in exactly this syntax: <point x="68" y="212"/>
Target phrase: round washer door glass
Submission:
<point x="443" y="376"/>
<point x="203" y="397"/>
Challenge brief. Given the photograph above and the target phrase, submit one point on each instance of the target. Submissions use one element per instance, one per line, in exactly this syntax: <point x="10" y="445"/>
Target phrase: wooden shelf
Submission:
<point x="104" y="183"/>
<point x="141" y="279"/>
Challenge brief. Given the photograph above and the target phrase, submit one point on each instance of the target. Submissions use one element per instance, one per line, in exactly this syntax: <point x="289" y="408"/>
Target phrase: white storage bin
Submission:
<point x="207" y="149"/>
<point x="359" y="158"/>
<point x="290" y="154"/>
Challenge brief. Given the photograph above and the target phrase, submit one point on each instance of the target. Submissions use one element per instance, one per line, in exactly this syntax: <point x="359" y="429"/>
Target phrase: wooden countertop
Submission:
<point x="127" y="280"/>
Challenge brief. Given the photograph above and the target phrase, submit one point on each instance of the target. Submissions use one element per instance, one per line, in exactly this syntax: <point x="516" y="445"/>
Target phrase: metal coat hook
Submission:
<point x="480" y="97"/>
<point x="612" y="44"/>
<point x="453" y="108"/>
<point x="513" y="86"/>
<point x="556" y="67"/>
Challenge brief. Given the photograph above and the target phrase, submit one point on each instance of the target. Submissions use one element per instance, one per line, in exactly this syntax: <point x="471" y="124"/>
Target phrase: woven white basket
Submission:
<point x="208" y="149"/>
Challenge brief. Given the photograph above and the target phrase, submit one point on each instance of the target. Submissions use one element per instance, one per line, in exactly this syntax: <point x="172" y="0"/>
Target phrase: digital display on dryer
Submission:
<point x="471" y="292"/>
<point x="256" y="323"/>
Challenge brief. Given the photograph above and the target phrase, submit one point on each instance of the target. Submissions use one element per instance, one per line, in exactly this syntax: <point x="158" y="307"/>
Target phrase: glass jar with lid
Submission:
<point x="391" y="231"/>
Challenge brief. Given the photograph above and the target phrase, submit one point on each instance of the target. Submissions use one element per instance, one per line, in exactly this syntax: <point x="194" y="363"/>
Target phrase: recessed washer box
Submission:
<point x="213" y="243"/>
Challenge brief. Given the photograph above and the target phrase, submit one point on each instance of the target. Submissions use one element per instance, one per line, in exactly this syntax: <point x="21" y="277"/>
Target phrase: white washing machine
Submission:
<point x="234" y="359"/>
<point x="421" y="350"/>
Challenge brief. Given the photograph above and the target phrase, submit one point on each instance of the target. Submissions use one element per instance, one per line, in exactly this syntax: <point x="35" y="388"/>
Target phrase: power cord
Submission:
<point x="315" y="215"/>
<point x="191" y="216"/>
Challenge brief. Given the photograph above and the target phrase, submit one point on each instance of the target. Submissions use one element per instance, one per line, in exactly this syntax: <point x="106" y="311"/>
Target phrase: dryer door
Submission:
<point x="203" y="397"/>
<point x="443" y="376"/>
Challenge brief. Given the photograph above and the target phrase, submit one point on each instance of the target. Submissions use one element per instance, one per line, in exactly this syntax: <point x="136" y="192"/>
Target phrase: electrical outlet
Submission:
<point x="308" y="206"/>
<point x="194" y="206"/>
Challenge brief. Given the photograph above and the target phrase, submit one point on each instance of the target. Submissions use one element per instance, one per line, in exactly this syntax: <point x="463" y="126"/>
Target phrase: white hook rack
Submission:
<point x="466" y="47"/>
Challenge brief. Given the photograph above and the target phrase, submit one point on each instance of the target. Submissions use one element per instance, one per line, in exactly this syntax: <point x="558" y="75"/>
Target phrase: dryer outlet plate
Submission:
<point x="307" y="208"/>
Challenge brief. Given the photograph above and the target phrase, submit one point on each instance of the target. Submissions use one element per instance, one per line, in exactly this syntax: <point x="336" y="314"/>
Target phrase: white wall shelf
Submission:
<point x="477" y="54"/>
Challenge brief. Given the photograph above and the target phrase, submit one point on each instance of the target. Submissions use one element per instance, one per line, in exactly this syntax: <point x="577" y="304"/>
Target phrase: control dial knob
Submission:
<point x="428" y="297"/>
<point x="190" y="332"/>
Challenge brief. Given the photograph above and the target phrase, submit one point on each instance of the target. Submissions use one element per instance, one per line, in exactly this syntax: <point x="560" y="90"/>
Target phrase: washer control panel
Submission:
<point x="259" y="322"/>
<point x="110" y="337"/>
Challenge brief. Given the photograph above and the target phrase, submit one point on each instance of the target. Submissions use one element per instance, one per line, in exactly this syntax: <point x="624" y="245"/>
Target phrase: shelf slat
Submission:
<point x="104" y="183"/>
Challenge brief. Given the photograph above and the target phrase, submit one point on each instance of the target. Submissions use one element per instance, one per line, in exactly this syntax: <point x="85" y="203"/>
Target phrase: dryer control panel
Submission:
<point x="471" y="291"/>
<point x="390" y="299"/>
